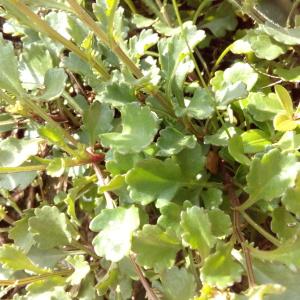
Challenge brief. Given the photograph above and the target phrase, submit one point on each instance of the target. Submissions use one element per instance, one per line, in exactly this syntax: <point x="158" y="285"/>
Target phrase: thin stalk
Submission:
<point x="194" y="269"/>
<point x="248" y="203"/>
<point x="44" y="27"/>
<point x="164" y="12"/>
<point x="72" y="103"/>
<point x="199" y="10"/>
<point x="6" y="195"/>
<point x="220" y="58"/>
<point x="259" y="229"/>
<point x="85" y="249"/>
<point x="68" y="163"/>
<point x="131" y="6"/>
<point x="28" y="280"/>
<point x="109" y="200"/>
<point x="149" y="291"/>
<point x="234" y="201"/>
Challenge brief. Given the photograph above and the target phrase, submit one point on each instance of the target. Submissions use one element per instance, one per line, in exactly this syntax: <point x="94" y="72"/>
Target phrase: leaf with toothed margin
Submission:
<point x="139" y="126"/>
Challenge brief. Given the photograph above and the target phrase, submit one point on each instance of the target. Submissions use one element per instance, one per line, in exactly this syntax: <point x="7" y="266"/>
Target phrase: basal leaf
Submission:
<point x="54" y="82"/>
<point x="57" y="231"/>
<point x="197" y="230"/>
<point x="155" y="178"/>
<point x="15" y="259"/>
<point x="178" y="280"/>
<point x="116" y="227"/>
<point x="21" y="235"/>
<point x="263" y="107"/>
<point x="291" y="199"/>
<point x="221" y="269"/>
<point x="271" y="175"/>
<point x="155" y="248"/>
<point x="81" y="269"/>
<point x="96" y="120"/>
<point x="9" y="75"/>
<point x="284" y="224"/>
<point x="172" y="141"/>
<point x="139" y="127"/>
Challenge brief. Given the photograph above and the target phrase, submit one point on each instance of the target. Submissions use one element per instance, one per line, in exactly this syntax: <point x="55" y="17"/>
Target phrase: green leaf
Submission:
<point x="172" y="141"/>
<point x="221" y="225"/>
<point x="178" y="280"/>
<point x="289" y="141"/>
<point x="155" y="248"/>
<point x="201" y="105"/>
<point x="170" y="217"/>
<point x="139" y="128"/>
<point x="138" y="45"/>
<point x="118" y="163"/>
<point x="49" y="258"/>
<point x="285" y="99"/>
<point x="54" y="82"/>
<point x="191" y="161"/>
<point x="57" y="231"/>
<point x="81" y="269"/>
<point x="48" y="289"/>
<point x="174" y="57"/>
<point x="231" y="92"/>
<point x="263" y="45"/>
<point x="35" y="61"/>
<point x="15" y="259"/>
<point x="21" y="235"/>
<point x="109" y="280"/>
<point x="96" y="120"/>
<point x="287" y="253"/>
<point x="155" y="178"/>
<point x="221" y="269"/>
<point x="212" y="198"/>
<point x="287" y="36"/>
<point x="278" y="274"/>
<point x="263" y="107"/>
<point x="221" y="20"/>
<point x="236" y="150"/>
<point x="9" y="75"/>
<point x="291" y="199"/>
<point x="56" y="167"/>
<point x="255" y="140"/>
<point x="259" y="292"/>
<point x="284" y="122"/>
<point x="221" y="138"/>
<point x="292" y="75"/>
<point x="13" y="153"/>
<point x="116" y="227"/>
<point x="270" y="176"/>
<point x="197" y="230"/>
<point x="284" y="224"/>
<point x="117" y="94"/>
<point x="241" y="72"/>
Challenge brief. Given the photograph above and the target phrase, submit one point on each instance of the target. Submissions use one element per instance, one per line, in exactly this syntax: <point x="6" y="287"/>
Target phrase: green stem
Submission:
<point x="68" y="163"/>
<point x="248" y="203"/>
<point x="85" y="249"/>
<point x="194" y="269"/>
<point x="131" y="6"/>
<point x="199" y="10"/>
<point x="72" y="103"/>
<point x="220" y="58"/>
<point x="31" y="279"/>
<point x="259" y="229"/>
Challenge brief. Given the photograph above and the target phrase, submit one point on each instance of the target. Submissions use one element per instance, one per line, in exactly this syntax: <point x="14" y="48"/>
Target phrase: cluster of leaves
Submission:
<point x="141" y="155"/>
